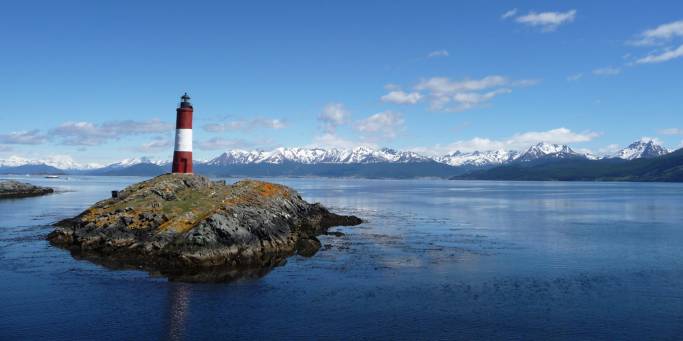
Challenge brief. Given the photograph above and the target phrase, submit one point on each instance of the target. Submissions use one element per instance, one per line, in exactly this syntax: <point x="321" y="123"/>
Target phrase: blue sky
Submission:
<point x="100" y="81"/>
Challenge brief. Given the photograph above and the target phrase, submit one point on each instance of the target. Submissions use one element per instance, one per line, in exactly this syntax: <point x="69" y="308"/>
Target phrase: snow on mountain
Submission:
<point x="643" y="148"/>
<point x="477" y="158"/>
<point x="136" y="161"/>
<point x="317" y="155"/>
<point x="16" y="161"/>
<point x="547" y="150"/>
<point x="591" y="156"/>
<point x="299" y="155"/>
<point x="369" y="155"/>
<point x="64" y="162"/>
<point x="236" y="157"/>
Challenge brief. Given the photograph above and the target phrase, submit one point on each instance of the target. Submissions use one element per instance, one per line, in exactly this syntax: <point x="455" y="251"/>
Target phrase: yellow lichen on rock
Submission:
<point x="177" y="203"/>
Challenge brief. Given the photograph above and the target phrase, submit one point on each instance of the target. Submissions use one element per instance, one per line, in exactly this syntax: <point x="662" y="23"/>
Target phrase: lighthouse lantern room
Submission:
<point x="182" y="155"/>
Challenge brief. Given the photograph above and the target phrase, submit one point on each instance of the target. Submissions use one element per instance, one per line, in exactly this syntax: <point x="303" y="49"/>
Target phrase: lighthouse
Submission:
<point x="182" y="154"/>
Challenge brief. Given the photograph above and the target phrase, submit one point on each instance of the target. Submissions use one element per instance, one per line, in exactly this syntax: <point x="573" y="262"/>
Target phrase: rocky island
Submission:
<point x="187" y="227"/>
<point x="16" y="189"/>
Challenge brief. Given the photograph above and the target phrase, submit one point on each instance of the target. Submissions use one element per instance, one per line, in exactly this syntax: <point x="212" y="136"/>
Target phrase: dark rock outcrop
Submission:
<point x="188" y="227"/>
<point x="16" y="189"/>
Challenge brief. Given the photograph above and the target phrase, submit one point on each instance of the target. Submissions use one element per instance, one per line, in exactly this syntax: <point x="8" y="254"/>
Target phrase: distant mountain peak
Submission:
<point x="549" y="150"/>
<point x="645" y="148"/>
<point x="478" y="158"/>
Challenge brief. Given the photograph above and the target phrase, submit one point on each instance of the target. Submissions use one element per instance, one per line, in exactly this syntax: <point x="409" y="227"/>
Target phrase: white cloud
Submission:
<point x="23" y="137"/>
<point x="372" y="129"/>
<point x="333" y="115"/>
<point x="83" y="134"/>
<point x="4" y="148"/>
<point x="607" y="71"/>
<point x="509" y="14"/>
<point x="443" y="85"/>
<point x="250" y="124"/>
<point x="660" y="34"/>
<point x="585" y="151"/>
<point x="609" y="149"/>
<point x="447" y="95"/>
<point x="671" y="131"/>
<point x="469" y="100"/>
<point x="157" y="144"/>
<point x="218" y="143"/>
<point x="525" y="82"/>
<point x="90" y="134"/>
<point x="273" y="123"/>
<point x="477" y="143"/>
<point x="559" y="135"/>
<point x="391" y="87"/>
<point x="661" y="57"/>
<point x="226" y="126"/>
<point x="437" y="53"/>
<point x="520" y="141"/>
<point x="547" y="21"/>
<point x="130" y="127"/>
<point x="331" y="140"/>
<point x="386" y="124"/>
<point x="401" y="97"/>
<point x="575" y="77"/>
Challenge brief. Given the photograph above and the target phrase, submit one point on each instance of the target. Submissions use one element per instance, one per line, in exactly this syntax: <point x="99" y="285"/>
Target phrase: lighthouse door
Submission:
<point x="183" y="165"/>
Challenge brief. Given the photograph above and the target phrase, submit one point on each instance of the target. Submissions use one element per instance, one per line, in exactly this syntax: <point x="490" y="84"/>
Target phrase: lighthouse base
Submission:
<point x="182" y="162"/>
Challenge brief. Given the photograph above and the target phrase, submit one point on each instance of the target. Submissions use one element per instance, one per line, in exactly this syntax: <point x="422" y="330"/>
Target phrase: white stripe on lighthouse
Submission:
<point x="183" y="140"/>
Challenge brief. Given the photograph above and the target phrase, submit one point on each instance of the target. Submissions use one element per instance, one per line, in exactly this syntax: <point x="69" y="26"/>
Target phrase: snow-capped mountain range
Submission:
<point x="58" y="161"/>
<point x="499" y="157"/>
<point x="136" y="161"/>
<point x="644" y="148"/>
<point x="317" y="155"/>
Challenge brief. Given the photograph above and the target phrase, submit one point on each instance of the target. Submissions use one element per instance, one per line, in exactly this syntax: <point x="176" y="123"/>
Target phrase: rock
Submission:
<point x="307" y="247"/>
<point x="126" y="220"/>
<point x="208" y="228"/>
<point x="16" y="189"/>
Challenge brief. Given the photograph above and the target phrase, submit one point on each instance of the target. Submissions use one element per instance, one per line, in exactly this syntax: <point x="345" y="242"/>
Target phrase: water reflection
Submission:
<point x="179" y="295"/>
<point x="217" y="274"/>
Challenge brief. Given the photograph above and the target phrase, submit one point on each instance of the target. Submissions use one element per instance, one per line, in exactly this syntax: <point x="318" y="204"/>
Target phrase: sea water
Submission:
<point x="435" y="259"/>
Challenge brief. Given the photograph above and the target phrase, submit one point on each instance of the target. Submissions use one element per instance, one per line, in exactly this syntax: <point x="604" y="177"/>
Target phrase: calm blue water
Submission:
<point x="435" y="259"/>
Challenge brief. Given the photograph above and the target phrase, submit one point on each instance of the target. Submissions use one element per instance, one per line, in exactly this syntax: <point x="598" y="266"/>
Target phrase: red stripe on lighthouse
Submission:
<point x="182" y="162"/>
<point x="184" y="118"/>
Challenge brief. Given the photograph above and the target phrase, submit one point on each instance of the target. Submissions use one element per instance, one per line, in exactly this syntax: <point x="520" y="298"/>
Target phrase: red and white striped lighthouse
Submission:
<point x="182" y="155"/>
